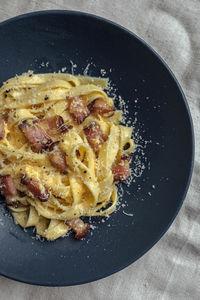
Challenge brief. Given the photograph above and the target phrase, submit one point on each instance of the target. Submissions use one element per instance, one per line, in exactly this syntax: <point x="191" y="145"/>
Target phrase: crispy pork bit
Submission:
<point x="38" y="190"/>
<point x="79" y="227"/>
<point x="14" y="203"/>
<point x="53" y="146"/>
<point x="7" y="189"/>
<point x="5" y="116"/>
<point x="2" y="130"/>
<point x="94" y="136"/>
<point x="101" y="107"/>
<point x="53" y="125"/>
<point x="35" y="135"/>
<point x="78" y="109"/>
<point x="121" y="170"/>
<point x="7" y="186"/>
<point x="58" y="158"/>
<point x="126" y="157"/>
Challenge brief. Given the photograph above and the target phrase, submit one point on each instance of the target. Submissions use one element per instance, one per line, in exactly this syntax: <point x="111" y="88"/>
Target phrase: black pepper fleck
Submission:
<point x="30" y="75"/>
<point x="85" y="172"/>
<point x="126" y="146"/>
<point x="46" y="98"/>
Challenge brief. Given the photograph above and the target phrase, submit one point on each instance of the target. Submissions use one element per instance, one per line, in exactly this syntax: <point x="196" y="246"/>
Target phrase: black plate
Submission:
<point x="46" y="42"/>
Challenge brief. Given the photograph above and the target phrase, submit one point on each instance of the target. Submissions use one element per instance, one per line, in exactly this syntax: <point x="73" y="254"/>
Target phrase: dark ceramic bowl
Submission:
<point x="46" y="42"/>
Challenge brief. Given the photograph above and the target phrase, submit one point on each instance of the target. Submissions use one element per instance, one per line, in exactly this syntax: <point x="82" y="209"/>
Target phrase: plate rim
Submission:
<point x="191" y="129"/>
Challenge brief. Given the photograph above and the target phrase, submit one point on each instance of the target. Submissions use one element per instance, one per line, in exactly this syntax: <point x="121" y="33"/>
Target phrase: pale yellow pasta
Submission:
<point x="88" y="188"/>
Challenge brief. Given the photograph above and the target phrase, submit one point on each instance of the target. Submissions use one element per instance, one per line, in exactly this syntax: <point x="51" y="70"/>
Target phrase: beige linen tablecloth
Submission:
<point x="171" y="269"/>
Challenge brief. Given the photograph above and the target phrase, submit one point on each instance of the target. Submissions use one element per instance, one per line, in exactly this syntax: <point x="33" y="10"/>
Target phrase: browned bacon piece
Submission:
<point x="39" y="191"/>
<point x="35" y="135"/>
<point x="121" y="170"/>
<point x="79" y="227"/>
<point x="7" y="186"/>
<point x="14" y="203"/>
<point x="101" y="107"/>
<point x="2" y="130"/>
<point x="94" y="136"/>
<point x="126" y="157"/>
<point x="53" y="125"/>
<point x="5" y="116"/>
<point x="57" y="157"/>
<point x="78" y="109"/>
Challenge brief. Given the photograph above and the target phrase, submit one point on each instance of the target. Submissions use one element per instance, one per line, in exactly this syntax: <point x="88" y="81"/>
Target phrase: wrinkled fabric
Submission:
<point x="171" y="269"/>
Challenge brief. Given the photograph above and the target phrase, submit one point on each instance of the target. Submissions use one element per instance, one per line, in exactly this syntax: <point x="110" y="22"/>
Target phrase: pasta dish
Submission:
<point x="62" y="151"/>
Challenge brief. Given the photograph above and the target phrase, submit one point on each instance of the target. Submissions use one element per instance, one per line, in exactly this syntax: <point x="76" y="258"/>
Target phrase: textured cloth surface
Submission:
<point x="171" y="269"/>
